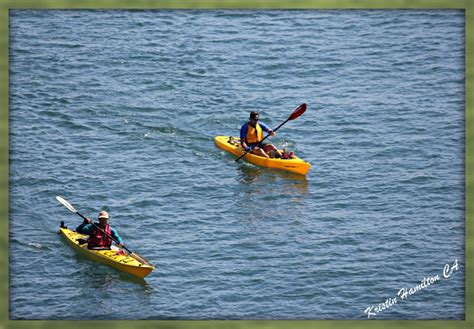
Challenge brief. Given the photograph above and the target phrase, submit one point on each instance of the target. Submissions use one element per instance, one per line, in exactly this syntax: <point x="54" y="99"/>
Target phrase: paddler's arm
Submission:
<point x="243" y="135"/>
<point x="267" y="129"/>
<point x="116" y="236"/>
<point x="85" y="227"/>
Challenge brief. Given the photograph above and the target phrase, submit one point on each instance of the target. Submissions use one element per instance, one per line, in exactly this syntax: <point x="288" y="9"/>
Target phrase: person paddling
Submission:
<point x="251" y="134"/>
<point x="97" y="238"/>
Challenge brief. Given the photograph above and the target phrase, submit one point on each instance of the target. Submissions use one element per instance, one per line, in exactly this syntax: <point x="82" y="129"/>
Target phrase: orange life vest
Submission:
<point x="254" y="135"/>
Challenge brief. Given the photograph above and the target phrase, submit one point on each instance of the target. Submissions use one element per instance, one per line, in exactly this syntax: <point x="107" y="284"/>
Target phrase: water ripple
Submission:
<point x="117" y="110"/>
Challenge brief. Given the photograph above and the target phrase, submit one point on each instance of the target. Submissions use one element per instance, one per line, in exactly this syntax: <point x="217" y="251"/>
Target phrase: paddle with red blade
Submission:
<point x="296" y="113"/>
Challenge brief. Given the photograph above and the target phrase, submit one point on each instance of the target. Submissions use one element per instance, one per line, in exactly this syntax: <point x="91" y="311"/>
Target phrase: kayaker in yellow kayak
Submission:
<point x="97" y="239"/>
<point x="251" y="134"/>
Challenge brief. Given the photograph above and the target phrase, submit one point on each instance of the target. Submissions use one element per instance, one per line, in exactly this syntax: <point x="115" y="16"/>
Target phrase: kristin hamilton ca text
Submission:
<point x="405" y="292"/>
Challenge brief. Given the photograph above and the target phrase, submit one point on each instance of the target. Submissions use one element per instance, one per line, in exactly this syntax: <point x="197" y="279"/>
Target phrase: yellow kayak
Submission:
<point x="114" y="257"/>
<point x="232" y="145"/>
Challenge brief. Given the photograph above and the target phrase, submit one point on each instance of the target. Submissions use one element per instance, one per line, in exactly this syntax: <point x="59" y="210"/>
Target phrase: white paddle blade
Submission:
<point x="66" y="204"/>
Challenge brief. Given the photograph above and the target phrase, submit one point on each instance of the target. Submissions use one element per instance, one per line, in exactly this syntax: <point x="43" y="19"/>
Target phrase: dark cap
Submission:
<point x="254" y="115"/>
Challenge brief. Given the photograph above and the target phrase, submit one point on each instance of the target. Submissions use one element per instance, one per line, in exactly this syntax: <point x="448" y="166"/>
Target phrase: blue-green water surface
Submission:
<point x="117" y="110"/>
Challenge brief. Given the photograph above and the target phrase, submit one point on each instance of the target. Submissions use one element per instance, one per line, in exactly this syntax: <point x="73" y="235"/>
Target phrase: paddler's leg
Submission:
<point x="270" y="147"/>
<point x="258" y="151"/>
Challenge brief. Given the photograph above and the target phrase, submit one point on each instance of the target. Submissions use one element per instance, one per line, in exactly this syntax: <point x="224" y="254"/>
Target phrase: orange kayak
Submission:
<point x="232" y="145"/>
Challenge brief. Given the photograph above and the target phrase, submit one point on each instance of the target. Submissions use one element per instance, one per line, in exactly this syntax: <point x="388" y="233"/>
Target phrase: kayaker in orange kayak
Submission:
<point x="97" y="238"/>
<point x="251" y="134"/>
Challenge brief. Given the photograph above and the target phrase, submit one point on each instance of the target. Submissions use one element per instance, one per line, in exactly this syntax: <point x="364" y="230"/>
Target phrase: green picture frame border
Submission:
<point x="6" y="5"/>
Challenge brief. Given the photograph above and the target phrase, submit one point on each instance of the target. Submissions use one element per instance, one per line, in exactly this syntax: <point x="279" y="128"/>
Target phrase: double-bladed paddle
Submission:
<point x="72" y="209"/>
<point x="296" y="113"/>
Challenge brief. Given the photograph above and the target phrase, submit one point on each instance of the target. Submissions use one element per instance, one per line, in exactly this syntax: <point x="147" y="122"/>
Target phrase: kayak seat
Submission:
<point x="81" y="241"/>
<point x="233" y="141"/>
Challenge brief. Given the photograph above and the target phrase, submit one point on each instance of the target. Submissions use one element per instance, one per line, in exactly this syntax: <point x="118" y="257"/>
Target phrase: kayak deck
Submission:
<point x="115" y="257"/>
<point x="232" y="145"/>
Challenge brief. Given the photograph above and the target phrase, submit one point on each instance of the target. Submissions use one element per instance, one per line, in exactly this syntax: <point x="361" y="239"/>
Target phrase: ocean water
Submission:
<point x="117" y="110"/>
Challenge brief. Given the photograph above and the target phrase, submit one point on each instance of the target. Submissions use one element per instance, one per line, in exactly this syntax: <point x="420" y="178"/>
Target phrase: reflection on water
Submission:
<point x="272" y="178"/>
<point x="266" y="196"/>
<point x="249" y="173"/>
<point x="136" y="280"/>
